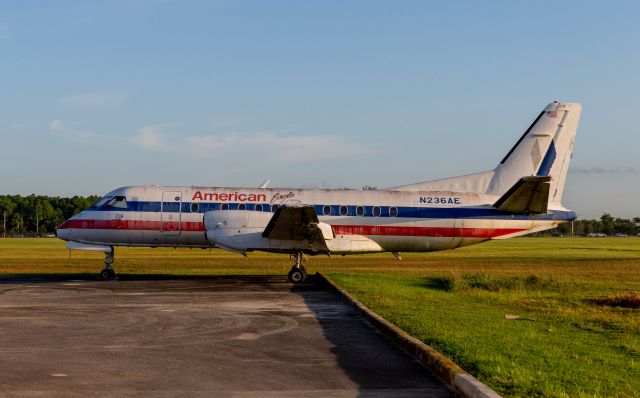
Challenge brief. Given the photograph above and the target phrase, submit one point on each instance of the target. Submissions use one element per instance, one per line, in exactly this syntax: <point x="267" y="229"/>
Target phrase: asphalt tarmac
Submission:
<point x="208" y="337"/>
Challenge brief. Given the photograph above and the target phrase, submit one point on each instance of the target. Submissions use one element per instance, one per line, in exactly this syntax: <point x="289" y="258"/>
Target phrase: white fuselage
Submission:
<point x="357" y="221"/>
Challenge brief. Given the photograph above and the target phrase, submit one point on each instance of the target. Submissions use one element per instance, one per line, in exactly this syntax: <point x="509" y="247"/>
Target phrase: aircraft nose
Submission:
<point x="63" y="231"/>
<point x="62" y="234"/>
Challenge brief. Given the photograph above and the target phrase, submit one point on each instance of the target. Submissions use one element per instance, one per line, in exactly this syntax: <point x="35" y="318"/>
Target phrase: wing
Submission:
<point x="299" y="224"/>
<point x="529" y="195"/>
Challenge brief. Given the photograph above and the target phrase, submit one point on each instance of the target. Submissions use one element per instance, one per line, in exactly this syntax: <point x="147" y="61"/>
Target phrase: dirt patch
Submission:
<point x="627" y="300"/>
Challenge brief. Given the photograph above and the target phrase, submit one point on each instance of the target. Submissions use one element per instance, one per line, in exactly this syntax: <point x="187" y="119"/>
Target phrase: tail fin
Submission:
<point x="545" y="149"/>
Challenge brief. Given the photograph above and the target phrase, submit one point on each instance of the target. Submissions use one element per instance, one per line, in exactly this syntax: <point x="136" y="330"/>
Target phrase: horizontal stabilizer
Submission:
<point x="529" y="195"/>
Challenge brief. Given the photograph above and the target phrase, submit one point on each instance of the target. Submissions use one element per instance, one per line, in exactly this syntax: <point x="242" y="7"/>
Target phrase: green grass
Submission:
<point x="455" y="301"/>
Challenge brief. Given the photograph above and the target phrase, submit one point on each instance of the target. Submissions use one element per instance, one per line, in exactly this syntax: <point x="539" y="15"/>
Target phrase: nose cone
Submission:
<point x="63" y="231"/>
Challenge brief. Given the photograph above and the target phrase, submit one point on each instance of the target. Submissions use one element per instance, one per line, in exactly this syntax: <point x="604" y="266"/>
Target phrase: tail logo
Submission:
<point x="547" y="162"/>
<point x="535" y="154"/>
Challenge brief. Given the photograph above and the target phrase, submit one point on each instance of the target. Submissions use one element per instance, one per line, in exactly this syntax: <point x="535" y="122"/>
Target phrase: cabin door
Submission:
<point x="171" y="213"/>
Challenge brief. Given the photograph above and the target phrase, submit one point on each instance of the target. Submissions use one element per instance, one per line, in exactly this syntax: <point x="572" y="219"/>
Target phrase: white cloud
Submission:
<point x="267" y="146"/>
<point x="93" y="100"/>
<point x="232" y="148"/>
<point x="153" y="138"/>
<point x="603" y="170"/>
<point x="57" y="125"/>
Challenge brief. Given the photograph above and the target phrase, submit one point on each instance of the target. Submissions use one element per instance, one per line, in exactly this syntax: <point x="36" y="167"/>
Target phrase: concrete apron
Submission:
<point x="447" y="370"/>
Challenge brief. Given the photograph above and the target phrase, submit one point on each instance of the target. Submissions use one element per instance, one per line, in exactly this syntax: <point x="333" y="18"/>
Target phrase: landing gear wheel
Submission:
<point x="297" y="275"/>
<point x="108" y="273"/>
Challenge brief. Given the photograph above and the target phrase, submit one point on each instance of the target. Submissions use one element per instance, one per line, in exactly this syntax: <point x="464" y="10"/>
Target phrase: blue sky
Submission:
<point x="97" y="95"/>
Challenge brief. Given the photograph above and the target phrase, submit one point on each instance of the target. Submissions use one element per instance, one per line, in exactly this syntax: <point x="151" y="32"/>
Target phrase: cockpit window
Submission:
<point x="117" y="202"/>
<point x="102" y="201"/>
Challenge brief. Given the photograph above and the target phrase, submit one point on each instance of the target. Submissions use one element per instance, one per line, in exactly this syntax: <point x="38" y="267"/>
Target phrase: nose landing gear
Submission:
<point x="108" y="272"/>
<point x="298" y="273"/>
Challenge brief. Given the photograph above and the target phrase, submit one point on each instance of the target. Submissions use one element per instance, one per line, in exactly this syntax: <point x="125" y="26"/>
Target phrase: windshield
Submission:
<point x="101" y="202"/>
<point x="117" y="202"/>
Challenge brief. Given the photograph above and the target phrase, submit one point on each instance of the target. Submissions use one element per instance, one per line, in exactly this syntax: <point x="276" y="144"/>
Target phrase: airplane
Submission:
<point x="522" y="195"/>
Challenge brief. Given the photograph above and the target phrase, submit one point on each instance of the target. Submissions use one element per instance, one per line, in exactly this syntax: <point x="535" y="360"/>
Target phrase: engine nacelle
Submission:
<point x="241" y="231"/>
<point x="237" y="230"/>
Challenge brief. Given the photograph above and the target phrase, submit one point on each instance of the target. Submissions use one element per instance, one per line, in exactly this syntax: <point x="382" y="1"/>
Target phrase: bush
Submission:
<point x="446" y="283"/>
<point x="483" y="281"/>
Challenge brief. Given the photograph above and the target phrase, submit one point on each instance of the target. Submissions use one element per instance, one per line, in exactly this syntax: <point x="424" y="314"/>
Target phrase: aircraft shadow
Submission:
<point x="370" y="360"/>
<point x="62" y="277"/>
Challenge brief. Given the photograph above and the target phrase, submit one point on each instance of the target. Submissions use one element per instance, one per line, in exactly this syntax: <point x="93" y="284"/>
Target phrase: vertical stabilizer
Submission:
<point x="543" y="150"/>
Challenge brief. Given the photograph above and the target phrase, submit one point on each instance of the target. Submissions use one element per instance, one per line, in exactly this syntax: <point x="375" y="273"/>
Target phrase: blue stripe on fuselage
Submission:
<point x="403" y="211"/>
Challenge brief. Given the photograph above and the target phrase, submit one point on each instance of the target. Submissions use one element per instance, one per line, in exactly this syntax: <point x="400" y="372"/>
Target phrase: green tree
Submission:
<point x="6" y="208"/>
<point x="588" y="227"/>
<point x="578" y="228"/>
<point x="607" y="224"/>
<point x="44" y="212"/>
<point x="56" y="219"/>
<point x="17" y="223"/>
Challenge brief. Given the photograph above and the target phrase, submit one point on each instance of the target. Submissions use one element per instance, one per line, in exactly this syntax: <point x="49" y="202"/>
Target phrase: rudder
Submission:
<point x="544" y="149"/>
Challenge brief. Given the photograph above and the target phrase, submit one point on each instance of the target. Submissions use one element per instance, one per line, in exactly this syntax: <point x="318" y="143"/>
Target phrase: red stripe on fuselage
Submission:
<point x="423" y="231"/>
<point x="370" y="230"/>
<point x="136" y="225"/>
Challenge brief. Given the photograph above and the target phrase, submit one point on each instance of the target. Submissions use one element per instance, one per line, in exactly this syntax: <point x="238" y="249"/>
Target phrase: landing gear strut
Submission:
<point x="298" y="273"/>
<point x="108" y="272"/>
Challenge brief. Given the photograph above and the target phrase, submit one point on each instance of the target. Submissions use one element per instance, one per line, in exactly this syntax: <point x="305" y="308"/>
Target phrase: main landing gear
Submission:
<point x="108" y="272"/>
<point x="298" y="273"/>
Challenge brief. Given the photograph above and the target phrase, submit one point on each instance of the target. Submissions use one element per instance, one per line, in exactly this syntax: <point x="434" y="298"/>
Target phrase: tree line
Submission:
<point x="37" y="215"/>
<point x="607" y="224"/>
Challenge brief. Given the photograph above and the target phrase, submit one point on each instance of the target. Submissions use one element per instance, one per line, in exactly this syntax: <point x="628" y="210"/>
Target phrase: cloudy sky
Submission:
<point x="100" y="94"/>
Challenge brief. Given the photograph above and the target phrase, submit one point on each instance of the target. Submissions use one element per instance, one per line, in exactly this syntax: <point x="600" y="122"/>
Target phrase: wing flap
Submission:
<point x="298" y="224"/>
<point x="528" y="195"/>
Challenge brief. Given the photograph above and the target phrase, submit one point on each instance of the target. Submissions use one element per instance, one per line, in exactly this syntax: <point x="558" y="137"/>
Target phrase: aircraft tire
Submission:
<point x="107" y="273"/>
<point x="297" y="275"/>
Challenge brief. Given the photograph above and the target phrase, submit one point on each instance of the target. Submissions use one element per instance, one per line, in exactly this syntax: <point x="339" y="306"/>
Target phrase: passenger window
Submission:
<point x="344" y="210"/>
<point x="376" y="211"/>
<point x="274" y="208"/>
<point x="326" y="210"/>
<point x="360" y="211"/>
<point x="258" y="207"/>
<point x="195" y="206"/>
<point x="117" y="202"/>
<point x="242" y="206"/>
<point x="393" y="211"/>
<point x="224" y="206"/>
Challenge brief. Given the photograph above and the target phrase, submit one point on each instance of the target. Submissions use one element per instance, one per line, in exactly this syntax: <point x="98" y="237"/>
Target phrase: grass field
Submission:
<point x="564" y="344"/>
